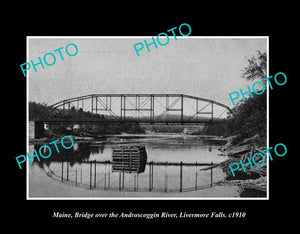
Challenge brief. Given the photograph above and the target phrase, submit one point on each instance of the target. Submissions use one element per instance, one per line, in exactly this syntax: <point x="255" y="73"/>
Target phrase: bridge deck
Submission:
<point x="166" y="122"/>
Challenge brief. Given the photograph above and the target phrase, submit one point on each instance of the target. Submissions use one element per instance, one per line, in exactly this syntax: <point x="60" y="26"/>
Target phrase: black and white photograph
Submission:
<point x="142" y="118"/>
<point x="148" y="117"/>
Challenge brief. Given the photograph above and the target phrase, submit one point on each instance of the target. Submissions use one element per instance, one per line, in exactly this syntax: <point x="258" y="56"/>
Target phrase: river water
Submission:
<point x="73" y="167"/>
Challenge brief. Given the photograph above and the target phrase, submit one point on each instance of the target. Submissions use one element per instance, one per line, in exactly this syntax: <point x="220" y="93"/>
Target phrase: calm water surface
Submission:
<point x="159" y="147"/>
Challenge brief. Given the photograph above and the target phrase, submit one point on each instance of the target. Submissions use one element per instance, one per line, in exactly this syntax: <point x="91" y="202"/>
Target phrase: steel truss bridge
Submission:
<point x="144" y="108"/>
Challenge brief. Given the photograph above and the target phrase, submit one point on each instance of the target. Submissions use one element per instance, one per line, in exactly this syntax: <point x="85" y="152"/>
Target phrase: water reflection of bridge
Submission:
<point x="75" y="167"/>
<point x="98" y="175"/>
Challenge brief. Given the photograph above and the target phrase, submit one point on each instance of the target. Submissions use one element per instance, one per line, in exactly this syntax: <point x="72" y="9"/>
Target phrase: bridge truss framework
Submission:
<point x="147" y="108"/>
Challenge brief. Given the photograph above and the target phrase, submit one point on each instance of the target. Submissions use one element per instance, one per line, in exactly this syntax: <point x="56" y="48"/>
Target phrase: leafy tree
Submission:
<point x="248" y="118"/>
<point x="37" y="111"/>
<point x="257" y="67"/>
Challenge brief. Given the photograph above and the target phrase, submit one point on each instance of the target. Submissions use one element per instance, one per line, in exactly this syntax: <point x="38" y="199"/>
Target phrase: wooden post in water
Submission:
<point x="137" y="181"/>
<point x="123" y="159"/>
<point x="67" y="171"/>
<point x="62" y="171"/>
<point x="196" y="178"/>
<point x="109" y="175"/>
<point x="81" y="174"/>
<point x="90" y="174"/>
<point x="134" y="182"/>
<point x="166" y="178"/>
<point x="120" y="180"/>
<point x="76" y="176"/>
<point x="180" y="186"/>
<point x="95" y="175"/>
<point x="123" y="177"/>
<point x="150" y="176"/>
<point x="211" y="175"/>
<point x="104" y="175"/>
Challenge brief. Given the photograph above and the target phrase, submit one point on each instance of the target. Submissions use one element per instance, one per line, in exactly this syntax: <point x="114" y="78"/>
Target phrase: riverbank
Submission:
<point x="254" y="180"/>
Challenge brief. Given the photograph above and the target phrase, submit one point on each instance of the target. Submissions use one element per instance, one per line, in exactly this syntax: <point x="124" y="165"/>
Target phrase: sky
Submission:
<point x="199" y="66"/>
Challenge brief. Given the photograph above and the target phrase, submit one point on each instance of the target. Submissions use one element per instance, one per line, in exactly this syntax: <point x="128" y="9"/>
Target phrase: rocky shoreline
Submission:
<point x="253" y="182"/>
